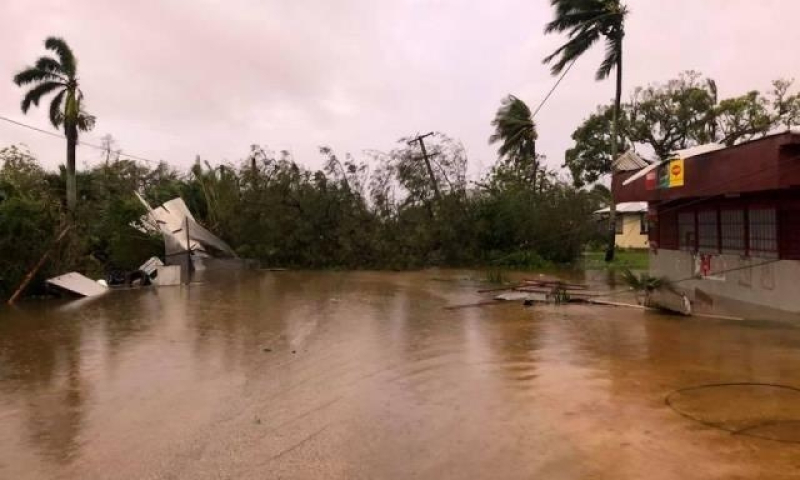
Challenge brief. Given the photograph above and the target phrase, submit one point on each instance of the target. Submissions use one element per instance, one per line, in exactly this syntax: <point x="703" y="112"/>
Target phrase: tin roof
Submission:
<point x="627" y="207"/>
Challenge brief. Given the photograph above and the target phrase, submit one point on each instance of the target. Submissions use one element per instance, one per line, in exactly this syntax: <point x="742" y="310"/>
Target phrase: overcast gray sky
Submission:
<point x="170" y="79"/>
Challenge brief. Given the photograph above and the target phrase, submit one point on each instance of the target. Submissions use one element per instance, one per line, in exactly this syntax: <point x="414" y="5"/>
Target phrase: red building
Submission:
<point x="725" y="225"/>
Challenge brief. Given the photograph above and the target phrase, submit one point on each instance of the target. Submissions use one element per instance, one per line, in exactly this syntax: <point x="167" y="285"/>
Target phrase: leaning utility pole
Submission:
<point x="421" y="140"/>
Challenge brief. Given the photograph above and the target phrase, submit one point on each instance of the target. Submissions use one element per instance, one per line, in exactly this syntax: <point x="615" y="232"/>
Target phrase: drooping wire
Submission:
<point x="88" y="144"/>
<point x="558" y="82"/>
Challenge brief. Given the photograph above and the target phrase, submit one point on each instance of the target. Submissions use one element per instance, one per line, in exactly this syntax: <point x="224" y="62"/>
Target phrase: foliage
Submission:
<point x="516" y="133"/>
<point x="496" y="276"/>
<point x="58" y="76"/>
<point x="681" y="113"/>
<point x="586" y="23"/>
<point x="590" y="157"/>
<point x="645" y="283"/>
<point x="269" y="208"/>
<point x="671" y="116"/>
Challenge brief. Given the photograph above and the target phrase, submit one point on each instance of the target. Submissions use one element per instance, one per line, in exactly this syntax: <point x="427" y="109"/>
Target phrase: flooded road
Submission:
<point x="289" y="375"/>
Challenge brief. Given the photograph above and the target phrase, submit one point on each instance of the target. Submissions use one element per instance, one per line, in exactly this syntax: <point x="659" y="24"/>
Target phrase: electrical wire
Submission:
<point x="748" y="430"/>
<point x="88" y="144"/>
<point x="561" y="235"/>
<point x="546" y="97"/>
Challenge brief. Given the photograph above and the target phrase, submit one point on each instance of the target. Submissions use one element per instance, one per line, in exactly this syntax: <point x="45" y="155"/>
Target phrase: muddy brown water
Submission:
<point x="365" y="375"/>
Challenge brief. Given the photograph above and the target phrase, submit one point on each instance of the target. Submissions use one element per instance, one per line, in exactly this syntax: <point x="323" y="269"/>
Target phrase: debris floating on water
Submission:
<point x="78" y="284"/>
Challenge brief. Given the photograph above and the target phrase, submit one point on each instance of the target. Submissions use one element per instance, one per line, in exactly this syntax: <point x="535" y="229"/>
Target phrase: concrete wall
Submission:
<point x="758" y="288"/>
<point x="631" y="236"/>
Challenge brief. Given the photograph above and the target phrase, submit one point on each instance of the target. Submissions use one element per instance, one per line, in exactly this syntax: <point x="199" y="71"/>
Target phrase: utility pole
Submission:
<point x="421" y="140"/>
<point x="188" y="252"/>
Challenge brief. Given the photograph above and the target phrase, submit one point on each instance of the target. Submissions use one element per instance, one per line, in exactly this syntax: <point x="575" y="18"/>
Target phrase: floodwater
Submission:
<point x="291" y="375"/>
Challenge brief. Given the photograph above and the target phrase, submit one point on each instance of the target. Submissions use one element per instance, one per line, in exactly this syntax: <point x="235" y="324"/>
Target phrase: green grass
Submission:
<point x="496" y="276"/>
<point x="631" y="259"/>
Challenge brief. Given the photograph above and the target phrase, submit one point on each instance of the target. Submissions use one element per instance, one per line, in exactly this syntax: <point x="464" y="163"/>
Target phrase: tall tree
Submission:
<point x="58" y="75"/>
<point x="680" y="113"/>
<point x="590" y="157"/>
<point x="516" y="133"/>
<point x="587" y="22"/>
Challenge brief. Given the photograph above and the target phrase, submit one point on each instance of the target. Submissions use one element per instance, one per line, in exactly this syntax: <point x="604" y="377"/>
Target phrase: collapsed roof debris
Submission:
<point x="78" y="284"/>
<point x="172" y="219"/>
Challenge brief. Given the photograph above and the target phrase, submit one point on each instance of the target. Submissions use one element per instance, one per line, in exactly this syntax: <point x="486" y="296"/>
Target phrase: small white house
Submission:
<point x="632" y="224"/>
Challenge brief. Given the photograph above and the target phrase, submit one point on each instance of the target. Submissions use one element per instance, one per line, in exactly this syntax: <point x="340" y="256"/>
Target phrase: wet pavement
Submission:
<point x="290" y="375"/>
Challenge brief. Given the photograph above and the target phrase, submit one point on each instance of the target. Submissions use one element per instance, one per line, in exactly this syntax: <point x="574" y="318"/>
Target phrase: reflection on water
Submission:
<point x="365" y="375"/>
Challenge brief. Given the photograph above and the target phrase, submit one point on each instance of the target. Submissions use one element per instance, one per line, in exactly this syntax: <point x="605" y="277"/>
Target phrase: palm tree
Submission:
<point x="59" y="75"/>
<point x="516" y="132"/>
<point x="587" y="22"/>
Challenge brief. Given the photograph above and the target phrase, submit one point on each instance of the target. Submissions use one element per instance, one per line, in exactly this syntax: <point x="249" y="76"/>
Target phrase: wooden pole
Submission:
<point x="188" y="252"/>
<point x="421" y="140"/>
<point x="32" y="273"/>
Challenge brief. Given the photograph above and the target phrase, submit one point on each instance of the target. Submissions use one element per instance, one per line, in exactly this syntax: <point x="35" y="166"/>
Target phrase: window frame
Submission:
<point x="771" y="254"/>
<point x="619" y="224"/>
<point x="701" y="246"/>
<point x="745" y="230"/>
<point x="684" y="244"/>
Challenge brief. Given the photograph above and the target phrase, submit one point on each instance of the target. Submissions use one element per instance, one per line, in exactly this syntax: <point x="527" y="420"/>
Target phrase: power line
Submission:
<point x="88" y="144"/>
<point x="546" y="97"/>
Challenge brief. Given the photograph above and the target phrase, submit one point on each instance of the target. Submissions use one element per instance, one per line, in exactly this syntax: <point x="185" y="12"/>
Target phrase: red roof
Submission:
<point x="769" y="163"/>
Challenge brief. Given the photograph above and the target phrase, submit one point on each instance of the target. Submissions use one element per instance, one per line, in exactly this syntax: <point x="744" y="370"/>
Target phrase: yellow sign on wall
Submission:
<point x="675" y="169"/>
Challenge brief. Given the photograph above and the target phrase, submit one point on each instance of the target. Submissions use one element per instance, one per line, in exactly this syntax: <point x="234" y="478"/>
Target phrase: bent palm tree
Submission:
<point x="516" y="132"/>
<point x="587" y="22"/>
<point x="50" y="75"/>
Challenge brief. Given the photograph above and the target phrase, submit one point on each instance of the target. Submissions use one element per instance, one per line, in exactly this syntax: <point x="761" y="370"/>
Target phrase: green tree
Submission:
<point x="588" y="22"/>
<point x="786" y="105"/>
<point x="672" y="116"/>
<point x="516" y="133"/>
<point x="59" y="75"/>
<point x="680" y="113"/>
<point x="743" y="118"/>
<point x="590" y="157"/>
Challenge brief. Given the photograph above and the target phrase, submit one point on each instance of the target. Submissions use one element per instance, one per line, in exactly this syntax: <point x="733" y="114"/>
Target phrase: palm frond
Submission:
<point x="65" y="55"/>
<point x="56" y="116"/>
<point x="514" y="129"/>
<point x="573" y="21"/>
<point x="33" y="75"/>
<point x="645" y="283"/>
<point x="585" y="21"/>
<point x="611" y="60"/>
<point x="36" y="93"/>
<point x="571" y="50"/>
<point x="50" y="65"/>
<point x="85" y="121"/>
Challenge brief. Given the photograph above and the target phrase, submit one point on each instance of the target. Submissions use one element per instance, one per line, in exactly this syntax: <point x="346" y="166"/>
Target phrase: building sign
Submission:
<point x="676" y="173"/>
<point x="667" y="175"/>
<point x="650" y="180"/>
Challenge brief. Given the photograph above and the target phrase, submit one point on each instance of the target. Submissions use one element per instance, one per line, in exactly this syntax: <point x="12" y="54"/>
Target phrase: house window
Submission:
<point x="618" y="225"/>
<point x="644" y="224"/>
<point x="686" y="231"/>
<point x="732" y="227"/>
<point x="708" y="234"/>
<point x="763" y="228"/>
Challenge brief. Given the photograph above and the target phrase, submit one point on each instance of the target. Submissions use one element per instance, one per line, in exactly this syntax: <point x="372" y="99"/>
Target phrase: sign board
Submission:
<point x="668" y="175"/>
<point x="676" y="173"/>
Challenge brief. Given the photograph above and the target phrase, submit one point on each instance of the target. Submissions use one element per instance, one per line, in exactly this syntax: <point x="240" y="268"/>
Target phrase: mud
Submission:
<point x="365" y="375"/>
